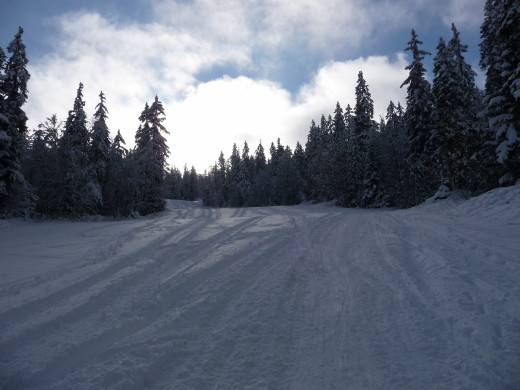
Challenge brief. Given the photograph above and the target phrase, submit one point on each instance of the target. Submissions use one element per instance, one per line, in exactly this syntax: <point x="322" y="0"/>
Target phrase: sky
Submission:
<point x="227" y="71"/>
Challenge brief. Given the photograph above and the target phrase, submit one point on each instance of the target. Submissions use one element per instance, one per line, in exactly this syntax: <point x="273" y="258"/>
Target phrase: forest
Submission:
<point x="450" y="136"/>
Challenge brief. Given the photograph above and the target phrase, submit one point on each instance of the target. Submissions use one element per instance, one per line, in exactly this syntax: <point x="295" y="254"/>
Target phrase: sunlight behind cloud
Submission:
<point x="226" y="111"/>
<point x="135" y="61"/>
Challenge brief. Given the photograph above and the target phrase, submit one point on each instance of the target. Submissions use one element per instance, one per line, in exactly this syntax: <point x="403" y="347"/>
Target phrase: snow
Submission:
<point x="302" y="297"/>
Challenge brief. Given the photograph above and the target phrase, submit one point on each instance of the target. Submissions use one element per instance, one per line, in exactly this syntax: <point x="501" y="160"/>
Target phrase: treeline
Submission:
<point x="451" y="136"/>
<point x="77" y="171"/>
<point x="75" y="168"/>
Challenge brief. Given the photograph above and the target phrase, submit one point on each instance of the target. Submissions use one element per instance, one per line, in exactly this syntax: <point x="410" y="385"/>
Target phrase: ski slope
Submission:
<point x="303" y="297"/>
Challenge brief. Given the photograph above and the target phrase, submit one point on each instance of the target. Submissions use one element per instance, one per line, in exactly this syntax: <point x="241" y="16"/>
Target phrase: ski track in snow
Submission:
<point x="303" y="297"/>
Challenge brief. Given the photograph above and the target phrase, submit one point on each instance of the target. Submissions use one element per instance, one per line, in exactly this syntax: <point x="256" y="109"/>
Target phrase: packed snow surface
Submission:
<point x="303" y="297"/>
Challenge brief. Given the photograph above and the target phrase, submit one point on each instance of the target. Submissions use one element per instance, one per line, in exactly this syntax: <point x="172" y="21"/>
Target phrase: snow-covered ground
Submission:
<point x="304" y="297"/>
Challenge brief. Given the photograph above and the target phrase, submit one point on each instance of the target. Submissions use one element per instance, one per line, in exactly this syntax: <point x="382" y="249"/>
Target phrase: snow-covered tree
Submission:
<point x="120" y="181"/>
<point x="285" y="183"/>
<point x="365" y="160"/>
<point x="338" y="161"/>
<point x="41" y="167"/>
<point x="79" y="192"/>
<point x="259" y="191"/>
<point x="151" y="154"/>
<point x="419" y="120"/>
<point x="100" y="145"/>
<point x="393" y="154"/>
<point x="172" y="184"/>
<point x="456" y="137"/>
<point x="500" y="58"/>
<point x="16" y="196"/>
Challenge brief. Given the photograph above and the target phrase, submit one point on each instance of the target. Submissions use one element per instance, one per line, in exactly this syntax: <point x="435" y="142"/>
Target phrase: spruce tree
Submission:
<point x="500" y="58"/>
<point x="259" y="191"/>
<point x="338" y="153"/>
<point x="220" y="181"/>
<point x="151" y="154"/>
<point x="456" y="136"/>
<point x="365" y="169"/>
<point x="16" y="195"/>
<point x="100" y="145"/>
<point x="419" y="120"/>
<point x="172" y="185"/>
<point x="312" y="156"/>
<point x="41" y="167"/>
<point x="78" y="191"/>
<point x="120" y="180"/>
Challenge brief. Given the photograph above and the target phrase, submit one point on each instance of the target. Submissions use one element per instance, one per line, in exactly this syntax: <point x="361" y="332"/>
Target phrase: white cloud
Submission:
<point x="130" y="64"/>
<point x="226" y="111"/>
<point x="222" y="112"/>
<point x="134" y="62"/>
<point x="269" y="25"/>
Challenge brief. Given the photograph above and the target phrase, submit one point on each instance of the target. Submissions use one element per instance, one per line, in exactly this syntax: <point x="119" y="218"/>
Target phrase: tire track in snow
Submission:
<point x="110" y="293"/>
<point x="455" y="293"/>
<point x="13" y="317"/>
<point x="309" y="297"/>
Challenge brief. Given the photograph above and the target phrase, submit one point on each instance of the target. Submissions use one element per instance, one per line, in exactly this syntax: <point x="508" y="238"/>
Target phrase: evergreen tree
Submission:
<point x="338" y="153"/>
<point x="456" y="135"/>
<point x="285" y="188"/>
<point x="220" y="181"/>
<point x="366" y="166"/>
<point x="78" y="191"/>
<point x="312" y="155"/>
<point x="236" y="175"/>
<point x="100" y="145"/>
<point x="120" y="180"/>
<point x="151" y="154"/>
<point x="260" y="161"/>
<point x="41" y="165"/>
<point x="419" y="119"/>
<point x="16" y="196"/>
<point x="172" y="185"/>
<point x="245" y="156"/>
<point x="500" y="58"/>
<point x="185" y="190"/>
<point x="300" y="163"/>
<point x="394" y="151"/>
<point x="259" y="191"/>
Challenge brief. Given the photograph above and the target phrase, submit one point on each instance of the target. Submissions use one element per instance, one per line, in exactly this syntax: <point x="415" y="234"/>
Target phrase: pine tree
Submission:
<point x="185" y="195"/>
<point x="285" y="188"/>
<point x="394" y="152"/>
<point x="120" y="180"/>
<point x="41" y="167"/>
<point x="500" y="58"/>
<point x="366" y="166"/>
<point x="419" y="119"/>
<point x="16" y="196"/>
<point x="220" y="181"/>
<point x="78" y="191"/>
<point x="100" y="145"/>
<point x="338" y="150"/>
<point x="259" y="191"/>
<point x="312" y="155"/>
<point x="151" y="154"/>
<point x="234" y="178"/>
<point x="172" y="185"/>
<point x="456" y="137"/>
<point x="300" y="163"/>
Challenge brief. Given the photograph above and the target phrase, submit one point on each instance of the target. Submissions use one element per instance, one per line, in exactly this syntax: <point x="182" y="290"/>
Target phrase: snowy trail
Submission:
<point x="304" y="297"/>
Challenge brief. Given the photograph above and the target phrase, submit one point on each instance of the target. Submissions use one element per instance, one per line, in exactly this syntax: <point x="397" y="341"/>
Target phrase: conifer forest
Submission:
<point x="449" y="135"/>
